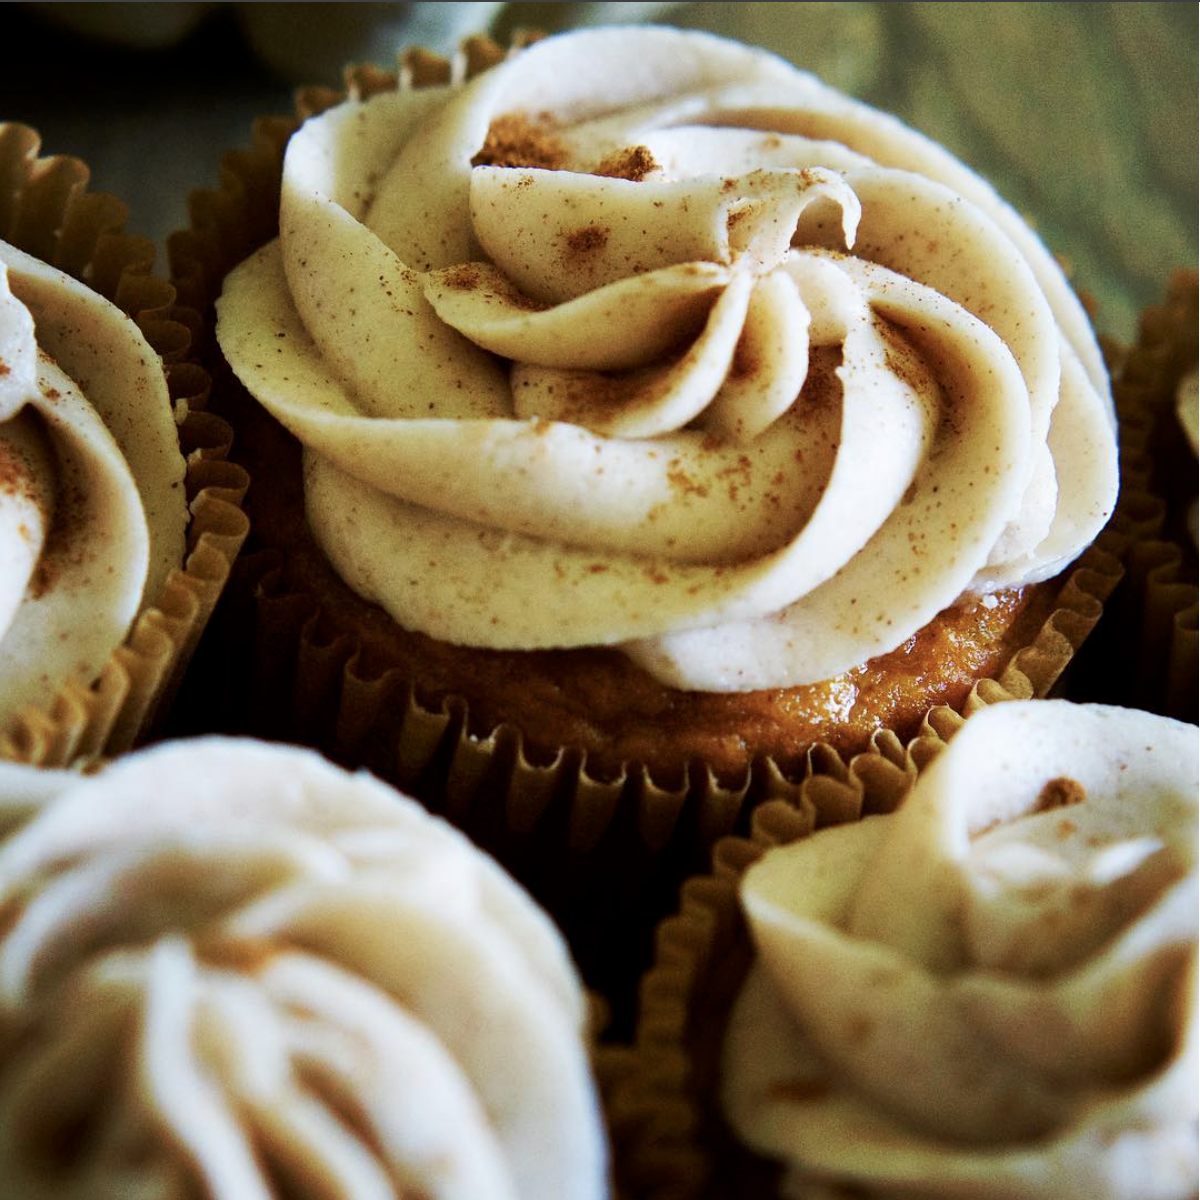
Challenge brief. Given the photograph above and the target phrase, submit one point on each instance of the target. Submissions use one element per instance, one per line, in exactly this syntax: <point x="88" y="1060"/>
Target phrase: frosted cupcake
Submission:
<point x="631" y="458"/>
<point x="232" y="969"/>
<point x="106" y="579"/>
<point x="989" y="992"/>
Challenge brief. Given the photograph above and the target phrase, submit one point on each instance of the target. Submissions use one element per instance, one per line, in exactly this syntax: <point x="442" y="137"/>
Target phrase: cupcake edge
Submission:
<point x="47" y="211"/>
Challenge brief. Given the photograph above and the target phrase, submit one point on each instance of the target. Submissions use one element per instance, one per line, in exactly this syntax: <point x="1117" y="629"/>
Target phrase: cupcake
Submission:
<point x="233" y="969"/>
<point x="118" y="521"/>
<point x="640" y="442"/>
<point x="1146" y="648"/>
<point x="989" y="992"/>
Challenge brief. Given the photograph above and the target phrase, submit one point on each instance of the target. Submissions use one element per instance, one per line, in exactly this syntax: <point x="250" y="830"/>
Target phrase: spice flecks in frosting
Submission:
<point x="92" y="512"/>
<point x="657" y="259"/>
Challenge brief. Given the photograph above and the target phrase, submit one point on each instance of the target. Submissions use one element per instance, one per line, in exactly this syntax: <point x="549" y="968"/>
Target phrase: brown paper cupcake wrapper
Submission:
<point x="605" y="855"/>
<point x="661" y="1091"/>
<point x="1144" y="654"/>
<point x="47" y="211"/>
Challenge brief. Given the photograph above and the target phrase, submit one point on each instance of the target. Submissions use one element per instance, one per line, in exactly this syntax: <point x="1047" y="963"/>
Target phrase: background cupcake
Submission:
<point x="1145" y="651"/>
<point x="1028" y="1027"/>
<point x="109" y="579"/>
<point x="233" y="968"/>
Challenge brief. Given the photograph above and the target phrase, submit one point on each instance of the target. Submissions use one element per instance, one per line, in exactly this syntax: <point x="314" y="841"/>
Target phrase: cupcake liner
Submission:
<point x="1145" y="651"/>
<point x="603" y="852"/>
<point x="670" y="1140"/>
<point x="46" y="210"/>
<point x="604" y="855"/>
<point x="667" y="1138"/>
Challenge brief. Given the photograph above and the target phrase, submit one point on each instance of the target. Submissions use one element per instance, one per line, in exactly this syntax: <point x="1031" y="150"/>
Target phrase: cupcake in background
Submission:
<point x="989" y="992"/>
<point x="232" y="969"/>
<point x="118" y="519"/>
<point x="1145" y="650"/>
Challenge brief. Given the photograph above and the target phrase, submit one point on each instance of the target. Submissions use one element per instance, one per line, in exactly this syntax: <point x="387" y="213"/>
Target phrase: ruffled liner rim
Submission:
<point x="1145" y="653"/>
<point x="382" y="722"/>
<point x="660" y="1092"/>
<point x="47" y="211"/>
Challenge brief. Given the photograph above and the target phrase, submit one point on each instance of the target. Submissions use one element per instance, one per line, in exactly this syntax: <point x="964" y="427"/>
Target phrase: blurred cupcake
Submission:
<point x="232" y="969"/>
<point x="1145" y="651"/>
<point x="638" y="443"/>
<point x="989" y="992"/>
<point x="118" y="519"/>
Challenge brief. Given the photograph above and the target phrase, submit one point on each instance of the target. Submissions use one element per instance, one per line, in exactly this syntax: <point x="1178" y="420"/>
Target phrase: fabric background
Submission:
<point x="1084" y="116"/>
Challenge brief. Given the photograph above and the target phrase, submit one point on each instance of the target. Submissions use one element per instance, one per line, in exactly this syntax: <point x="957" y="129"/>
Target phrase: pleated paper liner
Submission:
<point x="1144" y="653"/>
<point x="47" y="211"/>
<point x="603" y="852"/>
<point x="661" y="1092"/>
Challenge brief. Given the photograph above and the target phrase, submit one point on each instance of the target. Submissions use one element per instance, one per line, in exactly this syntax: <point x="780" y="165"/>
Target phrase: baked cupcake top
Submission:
<point x="645" y="338"/>
<point x="92" y="504"/>
<point x="992" y="990"/>
<point x="229" y="968"/>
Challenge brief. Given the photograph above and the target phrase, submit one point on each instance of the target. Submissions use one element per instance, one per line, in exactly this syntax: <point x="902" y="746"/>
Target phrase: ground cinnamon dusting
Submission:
<point x="462" y="278"/>
<point x="16" y="474"/>
<point x="517" y="140"/>
<point x="633" y="163"/>
<point x="1060" y="793"/>
<point x="583" y="241"/>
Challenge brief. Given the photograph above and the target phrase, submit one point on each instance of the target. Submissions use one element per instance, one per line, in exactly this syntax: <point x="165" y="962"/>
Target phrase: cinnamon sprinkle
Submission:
<point x="1060" y="793"/>
<point x="633" y="163"/>
<point x="583" y="241"/>
<point x="517" y="140"/>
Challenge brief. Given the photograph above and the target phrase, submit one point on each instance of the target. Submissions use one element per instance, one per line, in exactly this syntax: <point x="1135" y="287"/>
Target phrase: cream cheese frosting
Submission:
<point x="647" y="339"/>
<point x="232" y="969"/>
<point x="992" y="991"/>
<point x="92" y="505"/>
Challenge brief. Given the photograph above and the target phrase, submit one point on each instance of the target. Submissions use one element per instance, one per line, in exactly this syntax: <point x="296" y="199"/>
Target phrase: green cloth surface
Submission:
<point x="1083" y="116"/>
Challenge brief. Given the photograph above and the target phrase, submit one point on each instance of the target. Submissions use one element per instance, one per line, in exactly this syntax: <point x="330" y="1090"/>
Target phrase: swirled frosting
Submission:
<point x="644" y="338"/>
<point x="991" y="992"/>
<point x="92" y="507"/>
<point x="233" y="970"/>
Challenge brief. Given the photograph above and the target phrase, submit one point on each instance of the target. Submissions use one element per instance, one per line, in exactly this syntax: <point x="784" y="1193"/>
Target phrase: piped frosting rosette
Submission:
<point x="232" y="969"/>
<point x="643" y="338"/>
<point x="991" y="992"/>
<point x="92" y="504"/>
